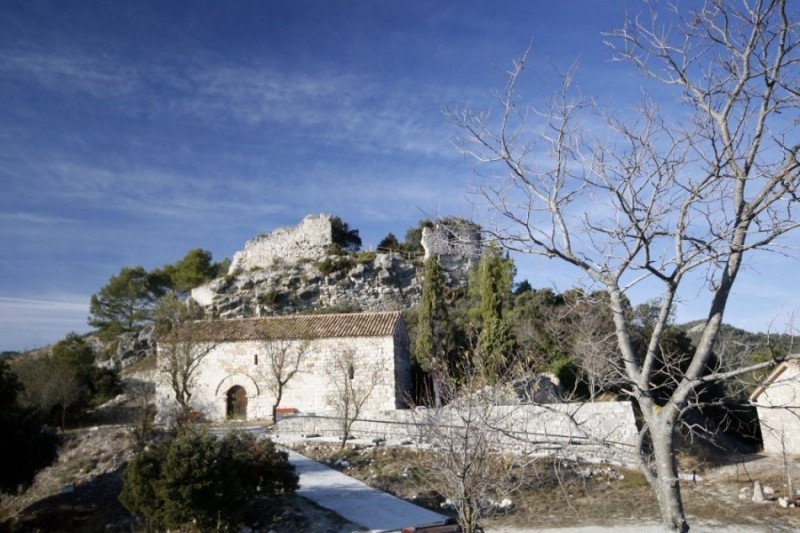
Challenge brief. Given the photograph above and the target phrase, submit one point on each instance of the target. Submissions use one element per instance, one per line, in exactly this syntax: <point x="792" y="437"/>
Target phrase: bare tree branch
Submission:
<point x="666" y="200"/>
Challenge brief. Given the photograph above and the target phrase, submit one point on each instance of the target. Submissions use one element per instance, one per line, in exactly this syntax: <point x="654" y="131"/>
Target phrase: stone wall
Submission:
<point x="459" y="239"/>
<point x="778" y="408"/>
<point x="308" y="240"/>
<point x="246" y="364"/>
<point x="601" y="431"/>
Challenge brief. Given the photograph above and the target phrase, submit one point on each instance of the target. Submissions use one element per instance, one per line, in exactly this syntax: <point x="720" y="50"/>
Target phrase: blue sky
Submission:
<point x="131" y="132"/>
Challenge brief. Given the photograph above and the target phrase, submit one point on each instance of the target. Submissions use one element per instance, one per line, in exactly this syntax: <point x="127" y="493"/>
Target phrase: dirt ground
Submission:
<point x="560" y="494"/>
<point x="564" y="494"/>
<point x="91" y="461"/>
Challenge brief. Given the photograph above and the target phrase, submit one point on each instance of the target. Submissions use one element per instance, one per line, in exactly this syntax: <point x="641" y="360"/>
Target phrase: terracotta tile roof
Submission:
<point x="290" y="327"/>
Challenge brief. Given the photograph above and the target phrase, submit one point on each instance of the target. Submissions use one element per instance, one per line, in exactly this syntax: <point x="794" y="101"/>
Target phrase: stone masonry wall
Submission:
<point x="457" y="246"/>
<point x="455" y="241"/>
<point x="245" y="364"/>
<point x="308" y="240"/>
<point x="779" y="413"/>
<point x="601" y="431"/>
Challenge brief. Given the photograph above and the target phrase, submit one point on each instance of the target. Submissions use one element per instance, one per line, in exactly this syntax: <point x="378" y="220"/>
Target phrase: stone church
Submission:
<point x="232" y="379"/>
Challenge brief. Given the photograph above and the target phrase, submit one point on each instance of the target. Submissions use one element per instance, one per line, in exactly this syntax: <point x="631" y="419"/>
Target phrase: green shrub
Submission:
<point x="26" y="446"/>
<point x="344" y="238"/>
<point x="272" y="297"/>
<point x="364" y="257"/>
<point x="104" y="384"/>
<point x="196" y="478"/>
<point x="332" y="264"/>
<point x="342" y="308"/>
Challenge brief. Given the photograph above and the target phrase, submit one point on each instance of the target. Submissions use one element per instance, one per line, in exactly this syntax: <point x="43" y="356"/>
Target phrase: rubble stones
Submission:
<point x="758" y="493"/>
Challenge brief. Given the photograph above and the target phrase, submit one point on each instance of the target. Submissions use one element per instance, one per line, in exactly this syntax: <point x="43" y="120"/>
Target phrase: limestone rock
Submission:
<point x="758" y="493"/>
<point x="291" y="270"/>
<point x="132" y="347"/>
<point x="363" y="282"/>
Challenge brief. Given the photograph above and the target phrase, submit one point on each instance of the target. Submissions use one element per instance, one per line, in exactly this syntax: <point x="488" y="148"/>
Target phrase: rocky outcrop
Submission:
<point x="290" y="270"/>
<point x="130" y="348"/>
<point x="358" y="282"/>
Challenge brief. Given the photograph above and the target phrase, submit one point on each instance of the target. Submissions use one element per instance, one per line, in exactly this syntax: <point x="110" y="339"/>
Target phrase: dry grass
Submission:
<point x="563" y="493"/>
<point x="549" y="493"/>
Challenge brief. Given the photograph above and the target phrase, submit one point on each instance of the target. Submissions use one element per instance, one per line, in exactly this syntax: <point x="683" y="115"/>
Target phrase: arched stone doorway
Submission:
<point x="236" y="403"/>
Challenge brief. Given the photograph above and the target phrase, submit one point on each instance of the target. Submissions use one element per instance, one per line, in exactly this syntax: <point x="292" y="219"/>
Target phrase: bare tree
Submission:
<point x="182" y="349"/>
<point x="595" y="345"/>
<point x="352" y="383"/>
<point x="49" y="383"/>
<point x="463" y="464"/>
<point x="283" y="360"/>
<point x="179" y="359"/>
<point x="142" y="397"/>
<point x="670" y="200"/>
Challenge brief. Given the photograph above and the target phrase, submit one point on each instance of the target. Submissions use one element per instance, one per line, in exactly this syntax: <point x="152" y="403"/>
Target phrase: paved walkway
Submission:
<point x="355" y="501"/>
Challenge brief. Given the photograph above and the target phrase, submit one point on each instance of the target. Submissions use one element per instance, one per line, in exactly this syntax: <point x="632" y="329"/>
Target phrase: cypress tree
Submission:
<point x="434" y="331"/>
<point x="492" y="284"/>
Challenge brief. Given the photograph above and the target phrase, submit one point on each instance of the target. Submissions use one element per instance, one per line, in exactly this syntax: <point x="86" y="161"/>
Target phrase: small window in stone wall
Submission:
<point x="255" y="359"/>
<point x="351" y="371"/>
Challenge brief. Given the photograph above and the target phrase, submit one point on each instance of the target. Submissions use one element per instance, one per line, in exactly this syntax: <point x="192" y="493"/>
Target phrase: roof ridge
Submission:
<point x="289" y="327"/>
<point x="297" y="315"/>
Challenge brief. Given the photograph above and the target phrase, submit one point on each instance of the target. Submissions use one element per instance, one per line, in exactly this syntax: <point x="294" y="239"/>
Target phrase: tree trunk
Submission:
<point x="466" y="512"/>
<point x="666" y="484"/>
<point x="275" y="405"/>
<point x="437" y="392"/>
<point x="345" y="426"/>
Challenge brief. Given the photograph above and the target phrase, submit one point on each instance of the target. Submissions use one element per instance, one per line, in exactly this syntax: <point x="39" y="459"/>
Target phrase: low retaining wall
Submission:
<point x="603" y="431"/>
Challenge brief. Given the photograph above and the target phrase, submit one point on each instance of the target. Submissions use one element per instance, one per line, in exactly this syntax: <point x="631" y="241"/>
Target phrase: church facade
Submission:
<point x="240" y="360"/>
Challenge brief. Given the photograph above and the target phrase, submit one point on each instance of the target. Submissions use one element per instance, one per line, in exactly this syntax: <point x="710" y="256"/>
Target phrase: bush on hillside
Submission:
<point x="196" y="478"/>
<point x="26" y="445"/>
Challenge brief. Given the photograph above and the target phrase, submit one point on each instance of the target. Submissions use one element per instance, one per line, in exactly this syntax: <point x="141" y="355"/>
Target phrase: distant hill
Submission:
<point x="737" y="348"/>
<point x="737" y="345"/>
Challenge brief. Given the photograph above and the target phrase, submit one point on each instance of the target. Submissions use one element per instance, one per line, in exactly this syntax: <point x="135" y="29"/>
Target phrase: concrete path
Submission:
<point x="355" y="501"/>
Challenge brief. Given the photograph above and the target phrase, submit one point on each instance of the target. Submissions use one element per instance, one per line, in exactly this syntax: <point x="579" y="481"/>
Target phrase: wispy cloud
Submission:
<point x="33" y="218"/>
<point x="35" y="321"/>
<point x="71" y="71"/>
<point x="330" y="105"/>
<point x="53" y="302"/>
